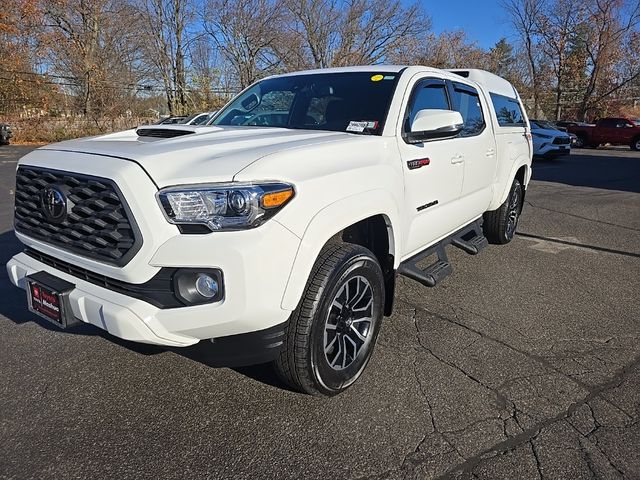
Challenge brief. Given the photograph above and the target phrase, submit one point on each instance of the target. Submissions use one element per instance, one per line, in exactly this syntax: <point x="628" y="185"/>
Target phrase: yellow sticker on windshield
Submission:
<point x="377" y="78"/>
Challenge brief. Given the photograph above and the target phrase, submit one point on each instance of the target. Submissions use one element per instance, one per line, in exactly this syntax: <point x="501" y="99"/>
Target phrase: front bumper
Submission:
<point x="551" y="150"/>
<point x="256" y="266"/>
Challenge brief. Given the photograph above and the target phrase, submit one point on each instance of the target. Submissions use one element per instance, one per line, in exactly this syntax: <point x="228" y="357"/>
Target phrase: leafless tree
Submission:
<point x="247" y="33"/>
<point x="450" y="49"/>
<point x="558" y="27"/>
<point x="353" y="32"/>
<point x="612" y="25"/>
<point x="165" y="23"/>
<point x="524" y="15"/>
<point x="92" y="44"/>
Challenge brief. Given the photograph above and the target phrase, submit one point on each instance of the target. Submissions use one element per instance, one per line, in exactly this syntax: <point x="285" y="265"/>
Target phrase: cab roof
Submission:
<point x="489" y="81"/>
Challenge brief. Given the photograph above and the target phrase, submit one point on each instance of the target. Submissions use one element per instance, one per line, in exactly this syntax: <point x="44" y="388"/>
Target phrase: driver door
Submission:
<point x="433" y="172"/>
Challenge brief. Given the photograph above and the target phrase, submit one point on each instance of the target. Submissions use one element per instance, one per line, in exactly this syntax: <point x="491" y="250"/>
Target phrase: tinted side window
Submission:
<point x="428" y="94"/>
<point x="507" y="110"/>
<point x="607" y="122"/>
<point x="466" y="101"/>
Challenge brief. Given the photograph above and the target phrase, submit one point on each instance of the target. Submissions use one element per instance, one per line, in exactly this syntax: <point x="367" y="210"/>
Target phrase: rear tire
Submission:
<point x="635" y="144"/>
<point x="500" y="225"/>
<point x="332" y="333"/>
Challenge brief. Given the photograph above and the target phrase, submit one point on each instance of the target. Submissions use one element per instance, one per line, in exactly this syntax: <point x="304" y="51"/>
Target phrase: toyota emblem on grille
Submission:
<point x="54" y="204"/>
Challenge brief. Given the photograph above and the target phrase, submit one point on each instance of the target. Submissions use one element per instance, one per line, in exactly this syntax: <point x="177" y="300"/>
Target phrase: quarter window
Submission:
<point x="508" y="111"/>
<point x="467" y="102"/>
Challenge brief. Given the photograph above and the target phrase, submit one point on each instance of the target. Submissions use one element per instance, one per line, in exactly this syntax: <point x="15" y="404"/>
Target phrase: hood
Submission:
<point x="184" y="154"/>
<point x="550" y="132"/>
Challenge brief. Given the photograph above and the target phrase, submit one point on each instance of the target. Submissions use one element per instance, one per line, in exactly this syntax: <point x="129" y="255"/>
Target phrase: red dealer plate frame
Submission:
<point x="48" y="297"/>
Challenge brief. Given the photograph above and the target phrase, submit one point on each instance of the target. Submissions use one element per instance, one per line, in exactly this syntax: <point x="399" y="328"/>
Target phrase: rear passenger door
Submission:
<point x="477" y="145"/>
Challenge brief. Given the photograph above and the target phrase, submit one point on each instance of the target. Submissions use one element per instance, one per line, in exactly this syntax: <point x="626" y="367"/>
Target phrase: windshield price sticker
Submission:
<point x="357" y="126"/>
<point x="361" y="126"/>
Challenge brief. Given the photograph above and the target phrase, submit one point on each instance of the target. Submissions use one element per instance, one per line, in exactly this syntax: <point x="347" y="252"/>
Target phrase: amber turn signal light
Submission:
<point x="276" y="199"/>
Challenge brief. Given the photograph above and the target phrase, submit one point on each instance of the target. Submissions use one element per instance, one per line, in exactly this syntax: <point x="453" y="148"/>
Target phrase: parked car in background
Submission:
<point x="171" y="120"/>
<point x="565" y="124"/>
<point x="198" y="118"/>
<point x="611" y="130"/>
<point x="5" y="134"/>
<point x="548" y="140"/>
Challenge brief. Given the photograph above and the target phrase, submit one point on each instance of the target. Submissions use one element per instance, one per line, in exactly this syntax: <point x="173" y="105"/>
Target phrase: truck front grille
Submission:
<point x="94" y="220"/>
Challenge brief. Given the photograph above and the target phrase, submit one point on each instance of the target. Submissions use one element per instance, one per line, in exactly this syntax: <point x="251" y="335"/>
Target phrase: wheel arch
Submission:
<point x="363" y="219"/>
<point x="521" y="171"/>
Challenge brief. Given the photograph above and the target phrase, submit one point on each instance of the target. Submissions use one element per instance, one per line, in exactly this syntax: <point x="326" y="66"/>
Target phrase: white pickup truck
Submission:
<point x="276" y="232"/>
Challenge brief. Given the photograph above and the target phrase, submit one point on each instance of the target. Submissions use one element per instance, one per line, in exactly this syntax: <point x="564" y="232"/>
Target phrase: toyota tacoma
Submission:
<point x="276" y="232"/>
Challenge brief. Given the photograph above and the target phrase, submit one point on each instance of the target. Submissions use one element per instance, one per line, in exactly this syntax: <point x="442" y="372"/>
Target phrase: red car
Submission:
<point x="613" y="130"/>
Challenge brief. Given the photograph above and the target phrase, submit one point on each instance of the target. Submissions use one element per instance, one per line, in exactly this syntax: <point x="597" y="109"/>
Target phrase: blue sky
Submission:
<point x="485" y="21"/>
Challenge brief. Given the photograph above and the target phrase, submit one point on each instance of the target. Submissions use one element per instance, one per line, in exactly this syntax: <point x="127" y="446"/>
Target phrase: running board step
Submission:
<point x="472" y="246"/>
<point x="469" y="239"/>
<point x="431" y="275"/>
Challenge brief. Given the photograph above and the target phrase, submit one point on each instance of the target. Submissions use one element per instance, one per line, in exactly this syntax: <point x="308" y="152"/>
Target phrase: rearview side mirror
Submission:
<point x="434" y="124"/>
<point x="251" y="102"/>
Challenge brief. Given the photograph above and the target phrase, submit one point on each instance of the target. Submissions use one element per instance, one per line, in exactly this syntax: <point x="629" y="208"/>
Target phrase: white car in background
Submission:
<point x="548" y="141"/>
<point x="199" y="118"/>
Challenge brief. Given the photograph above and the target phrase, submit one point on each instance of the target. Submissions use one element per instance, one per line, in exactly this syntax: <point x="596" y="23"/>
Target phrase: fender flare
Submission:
<point x="500" y="199"/>
<point x="328" y="222"/>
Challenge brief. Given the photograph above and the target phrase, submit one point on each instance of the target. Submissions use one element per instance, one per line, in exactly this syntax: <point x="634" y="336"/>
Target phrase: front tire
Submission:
<point x="635" y="144"/>
<point x="500" y="225"/>
<point x="332" y="333"/>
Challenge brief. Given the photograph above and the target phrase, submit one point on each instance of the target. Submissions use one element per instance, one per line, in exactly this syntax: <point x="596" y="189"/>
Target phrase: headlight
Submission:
<point x="224" y="206"/>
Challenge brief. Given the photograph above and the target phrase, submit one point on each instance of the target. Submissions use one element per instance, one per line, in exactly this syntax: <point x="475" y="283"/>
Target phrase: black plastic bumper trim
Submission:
<point x="241" y="350"/>
<point x="158" y="291"/>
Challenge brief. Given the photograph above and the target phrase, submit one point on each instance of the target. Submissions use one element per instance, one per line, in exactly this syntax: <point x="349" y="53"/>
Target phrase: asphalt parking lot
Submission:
<point x="525" y="363"/>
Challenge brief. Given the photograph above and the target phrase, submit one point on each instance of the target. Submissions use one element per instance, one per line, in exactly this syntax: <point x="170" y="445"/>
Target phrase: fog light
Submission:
<point x="197" y="286"/>
<point x="206" y="286"/>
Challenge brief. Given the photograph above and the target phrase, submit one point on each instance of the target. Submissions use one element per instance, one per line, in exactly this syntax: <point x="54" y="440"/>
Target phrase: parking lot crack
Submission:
<point x="626" y="227"/>
<point x="536" y="457"/>
<point x="579" y="245"/>
<point x="531" y="433"/>
<point x="594" y="444"/>
<point x="537" y="358"/>
<point x="423" y="394"/>
<point x="501" y="400"/>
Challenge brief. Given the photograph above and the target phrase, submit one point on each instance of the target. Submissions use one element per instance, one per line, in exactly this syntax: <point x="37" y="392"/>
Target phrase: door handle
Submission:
<point x="491" y="152"/>
<point x="457" y="159"/>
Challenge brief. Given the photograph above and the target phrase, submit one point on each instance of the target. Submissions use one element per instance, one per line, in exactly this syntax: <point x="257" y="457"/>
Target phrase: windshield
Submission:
<point x="355" y="102"/>
<point x="636" y="121"/>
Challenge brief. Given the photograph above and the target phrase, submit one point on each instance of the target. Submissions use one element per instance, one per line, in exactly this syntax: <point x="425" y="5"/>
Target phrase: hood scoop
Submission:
<point x="163" y="132"/>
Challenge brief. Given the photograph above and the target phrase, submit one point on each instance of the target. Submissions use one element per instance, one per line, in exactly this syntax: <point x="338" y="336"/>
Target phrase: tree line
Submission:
<point x="105" y="58"/>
